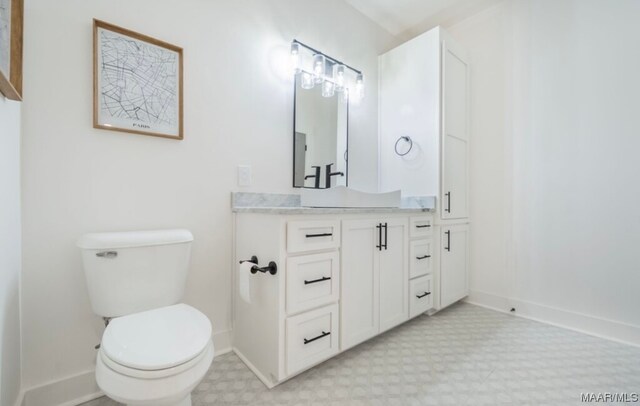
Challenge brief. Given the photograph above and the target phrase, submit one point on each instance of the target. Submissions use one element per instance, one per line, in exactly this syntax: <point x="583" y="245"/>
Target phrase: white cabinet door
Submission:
<point x="394" y="273"/>
<point x="454" y="264"/>
<point x="454" y="183"/>
<point x="360" y="284"/>
<point x="455" y="133"/>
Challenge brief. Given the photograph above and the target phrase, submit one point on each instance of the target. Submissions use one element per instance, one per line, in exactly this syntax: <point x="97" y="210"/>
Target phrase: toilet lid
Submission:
<point x="157" y="339"/>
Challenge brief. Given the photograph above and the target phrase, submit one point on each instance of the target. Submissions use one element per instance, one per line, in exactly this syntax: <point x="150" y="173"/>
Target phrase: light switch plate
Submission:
<point x="244" y="175"/>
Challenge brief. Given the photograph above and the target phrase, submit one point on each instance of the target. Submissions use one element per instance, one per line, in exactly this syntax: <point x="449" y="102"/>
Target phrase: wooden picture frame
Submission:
<point x="11" y="32"/>
<point x="137" y="83"/>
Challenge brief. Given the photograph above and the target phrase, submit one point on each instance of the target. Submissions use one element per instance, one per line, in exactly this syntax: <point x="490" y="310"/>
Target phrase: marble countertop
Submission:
<point x="270" y="203"/>
<point x="328" y="210"/>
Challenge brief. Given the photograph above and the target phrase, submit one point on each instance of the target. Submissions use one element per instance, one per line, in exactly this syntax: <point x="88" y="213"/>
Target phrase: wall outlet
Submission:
<point x="244" y="175"/>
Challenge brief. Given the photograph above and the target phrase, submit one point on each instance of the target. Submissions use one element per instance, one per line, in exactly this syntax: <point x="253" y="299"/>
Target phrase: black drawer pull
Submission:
<point x="448" y="234"/>
<point x="423" y="295"/>
<point x="386" y="235"/>
<point x="448" y="209"/>
<point x="424" y="257"/>
<point x="319" y="235"/>
<point x="324" y="278"/>
<point x="424" y="226"/>
<point x="316" y="338"/>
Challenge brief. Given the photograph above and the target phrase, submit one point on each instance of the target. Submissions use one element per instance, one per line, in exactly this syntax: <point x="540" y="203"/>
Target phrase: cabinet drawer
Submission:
<point x="312" y="281"/>
<point x="303" y="236"/>
<point x="312" y="337"/>
<point x="420" y="295"/>
<point x="420" y="257"/>
<point x="421" y="226"/>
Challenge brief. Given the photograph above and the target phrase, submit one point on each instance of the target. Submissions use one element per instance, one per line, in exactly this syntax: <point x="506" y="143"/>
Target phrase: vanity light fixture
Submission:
<point x="306" y="80"/>
<point x="360" y="86"/>
<point x="329" y="72"/>
<point x="338" y="74"/>
<point x="328" y="88"/>
<point x="319" y="67"/>
<point x="295" y="57"/>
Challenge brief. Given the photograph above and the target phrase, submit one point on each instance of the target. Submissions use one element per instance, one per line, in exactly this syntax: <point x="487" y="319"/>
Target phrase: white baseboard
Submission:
<point x="253" y="369"/>
<point x="222" y="343"/>
<point x="67" y="391"/>
<point x="604" y="328"/>
<point x="20" y="398"/>
<point x="80" y="388"/>
<point x="488" y="300"/>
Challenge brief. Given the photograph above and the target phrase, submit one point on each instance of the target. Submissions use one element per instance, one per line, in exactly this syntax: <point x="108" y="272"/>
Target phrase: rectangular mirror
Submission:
<point x="320" y="137"/>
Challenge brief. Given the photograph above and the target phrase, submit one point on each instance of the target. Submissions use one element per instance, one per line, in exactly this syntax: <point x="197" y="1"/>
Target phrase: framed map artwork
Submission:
<point x="137" y="83"/>
<point x="11" y="19"/>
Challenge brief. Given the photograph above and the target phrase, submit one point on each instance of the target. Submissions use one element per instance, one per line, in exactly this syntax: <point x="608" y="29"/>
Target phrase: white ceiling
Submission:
<point x="406" y="18"/>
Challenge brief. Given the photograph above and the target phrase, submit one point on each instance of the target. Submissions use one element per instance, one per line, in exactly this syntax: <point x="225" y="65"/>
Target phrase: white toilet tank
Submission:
<point x="130" y="272"/>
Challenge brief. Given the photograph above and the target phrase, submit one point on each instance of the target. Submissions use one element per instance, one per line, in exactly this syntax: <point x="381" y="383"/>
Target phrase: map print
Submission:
<point x="5" y="29"/>
<point x="138" y="85"/>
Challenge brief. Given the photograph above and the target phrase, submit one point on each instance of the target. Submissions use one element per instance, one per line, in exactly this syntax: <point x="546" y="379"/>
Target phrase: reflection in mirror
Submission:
<point x="320" y="137"/>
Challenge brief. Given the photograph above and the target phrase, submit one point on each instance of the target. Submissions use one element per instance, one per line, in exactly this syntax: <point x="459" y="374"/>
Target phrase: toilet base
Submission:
<point x="171" y="390"/>
<point x="184" y="402"/>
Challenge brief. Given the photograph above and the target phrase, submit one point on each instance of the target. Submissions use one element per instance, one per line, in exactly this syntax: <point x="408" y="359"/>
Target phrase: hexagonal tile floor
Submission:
<point x="464" y="355"/>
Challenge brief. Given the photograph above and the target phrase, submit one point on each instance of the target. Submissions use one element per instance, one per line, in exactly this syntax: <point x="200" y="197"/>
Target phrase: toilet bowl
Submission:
<point x="155" y="357"/>
<point x="155" y="350"/>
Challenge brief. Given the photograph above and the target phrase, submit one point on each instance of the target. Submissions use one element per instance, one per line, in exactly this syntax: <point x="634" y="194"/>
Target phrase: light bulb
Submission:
<point x="295" y="57"/>
<point x="338" y="75"/>
<point x="318" y="68"/>
<point x="306" y="80"/>
<point x="360" y="86"/>
<point x="328" y="88"/>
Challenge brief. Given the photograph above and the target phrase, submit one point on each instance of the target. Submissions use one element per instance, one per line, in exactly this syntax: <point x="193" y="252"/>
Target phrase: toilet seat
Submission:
<point x="158" y="373"/>
<point x="158" y="342"/>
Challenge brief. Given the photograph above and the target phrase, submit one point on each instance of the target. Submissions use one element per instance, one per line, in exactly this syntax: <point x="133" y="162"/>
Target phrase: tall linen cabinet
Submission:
<point x="424" y="144"/>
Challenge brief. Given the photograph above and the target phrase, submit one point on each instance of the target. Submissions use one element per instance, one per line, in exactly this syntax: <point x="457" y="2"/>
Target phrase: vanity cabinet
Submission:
<point x="375" y="273"/>
<point x="342" y="278"/>
<point x="424" y="97"/>
<point x="454" y="266"/>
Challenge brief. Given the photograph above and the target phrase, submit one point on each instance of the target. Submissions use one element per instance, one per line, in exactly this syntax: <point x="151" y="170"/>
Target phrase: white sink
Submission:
<point x="341" y="196"/>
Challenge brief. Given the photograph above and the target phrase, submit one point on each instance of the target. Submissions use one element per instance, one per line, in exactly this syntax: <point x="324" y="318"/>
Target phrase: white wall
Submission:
<point x="238" y="110"/>
<point x="554" y="161"/>
<point x="10" y="249"/>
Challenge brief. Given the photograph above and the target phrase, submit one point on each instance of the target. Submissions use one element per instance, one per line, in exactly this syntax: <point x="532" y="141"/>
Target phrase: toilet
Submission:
<point x="154" y="350"/>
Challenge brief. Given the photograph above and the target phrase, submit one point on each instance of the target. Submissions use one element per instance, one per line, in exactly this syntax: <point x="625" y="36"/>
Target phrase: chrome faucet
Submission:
<point x="329" y="174"/>
<point x="316" y="177"/>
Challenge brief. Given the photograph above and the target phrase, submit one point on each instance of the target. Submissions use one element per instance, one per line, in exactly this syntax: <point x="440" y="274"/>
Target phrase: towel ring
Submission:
<point x="407" y="139"/>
